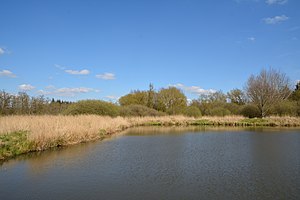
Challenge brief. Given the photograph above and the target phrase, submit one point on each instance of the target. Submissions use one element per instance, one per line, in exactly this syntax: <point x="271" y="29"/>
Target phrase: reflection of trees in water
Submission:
<point x="155" y="130"/>
<point x="39" y="163"/>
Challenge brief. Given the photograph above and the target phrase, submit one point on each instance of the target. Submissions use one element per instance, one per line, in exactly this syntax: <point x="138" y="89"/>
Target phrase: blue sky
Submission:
<point x="95" y="49"/>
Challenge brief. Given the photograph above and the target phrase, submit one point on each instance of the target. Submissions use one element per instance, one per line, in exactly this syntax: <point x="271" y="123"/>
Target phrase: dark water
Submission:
<point x="163" y="164"/>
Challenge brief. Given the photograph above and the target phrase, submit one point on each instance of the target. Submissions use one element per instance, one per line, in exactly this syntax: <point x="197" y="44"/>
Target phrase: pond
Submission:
<point x="163" y="163"/>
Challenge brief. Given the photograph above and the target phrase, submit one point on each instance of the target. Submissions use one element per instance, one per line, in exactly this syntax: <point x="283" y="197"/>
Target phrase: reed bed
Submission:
<point x="21" y="134"/>
<point x="46" y="130"/>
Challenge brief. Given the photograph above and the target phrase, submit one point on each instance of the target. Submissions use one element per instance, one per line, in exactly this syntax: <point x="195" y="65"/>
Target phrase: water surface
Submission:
<point x="159" y="163"/>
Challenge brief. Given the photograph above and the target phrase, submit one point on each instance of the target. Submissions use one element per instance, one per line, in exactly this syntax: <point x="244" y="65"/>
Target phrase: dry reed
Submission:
<point x="50" y="131"/>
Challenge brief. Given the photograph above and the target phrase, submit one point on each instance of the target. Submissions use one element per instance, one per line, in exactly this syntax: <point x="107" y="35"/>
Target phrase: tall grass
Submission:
<point x="43" y="132"/>
<point x="47" y="131"/>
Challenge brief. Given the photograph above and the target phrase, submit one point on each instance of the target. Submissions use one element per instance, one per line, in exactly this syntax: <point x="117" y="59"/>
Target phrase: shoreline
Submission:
<point x="23" y="134"/>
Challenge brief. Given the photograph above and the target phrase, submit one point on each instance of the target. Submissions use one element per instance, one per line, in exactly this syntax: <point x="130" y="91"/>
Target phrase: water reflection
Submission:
<point x="163" y="163"/>
<point x="38" y="163"/>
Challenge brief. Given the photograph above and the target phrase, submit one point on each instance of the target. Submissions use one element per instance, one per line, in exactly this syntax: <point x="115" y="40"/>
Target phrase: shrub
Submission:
<point x="233" y="108"/>
<point x="250" y="111"/>
<point x="285" y="108"/>
<point x="220" y="111"/>
<point x="95" y="107"/>
<point x="192" y="111"/>
<point x="139" y="110"/>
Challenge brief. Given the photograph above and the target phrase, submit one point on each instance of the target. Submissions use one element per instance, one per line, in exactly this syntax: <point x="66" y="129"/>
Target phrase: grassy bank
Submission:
<point x="22" y="134"/>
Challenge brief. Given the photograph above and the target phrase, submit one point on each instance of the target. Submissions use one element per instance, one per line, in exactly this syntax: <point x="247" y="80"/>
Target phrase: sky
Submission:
<point x="94" y="49"/>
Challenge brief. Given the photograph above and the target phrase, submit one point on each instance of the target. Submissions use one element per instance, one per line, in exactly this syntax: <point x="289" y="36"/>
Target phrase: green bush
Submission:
<point x="14" y="144"/>
<point x="285" y="108"/>
<point x="250" y="111"/>
<point x="220" y="111"/>
<point x="139" y="110"/>
<point x="192" y="111"/>
<point x="95" y="107"/>
<point x="233" y="108"/>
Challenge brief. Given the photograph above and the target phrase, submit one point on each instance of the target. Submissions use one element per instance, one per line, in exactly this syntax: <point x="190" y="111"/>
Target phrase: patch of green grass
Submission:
<point x="201" y="122"/>
<point x="102" y="132"/>
<point x="255" y="121"/>
<point x="13" y="144"/>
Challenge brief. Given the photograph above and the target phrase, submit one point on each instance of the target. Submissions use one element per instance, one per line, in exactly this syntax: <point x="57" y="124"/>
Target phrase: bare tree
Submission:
<point x="268" y="88"/>
<point x="5" y="99"/>
<point x="237" y="96"/>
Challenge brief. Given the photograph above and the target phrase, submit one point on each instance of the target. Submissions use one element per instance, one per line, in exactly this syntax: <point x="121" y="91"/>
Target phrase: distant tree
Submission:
<point x="214" y="97"/>
<point x="212" y="103"/>
<point x="38" y="105"/>
<point x="23" y="103"/>
<point x="295" y="96"/>
<point x="5" y="99"/>
<point x="237" y="96"/>
<point x="151" y="98"/>
<point x="267" y="89"/>
<point x="136" y="97"/>
<point x="171" y="100"/>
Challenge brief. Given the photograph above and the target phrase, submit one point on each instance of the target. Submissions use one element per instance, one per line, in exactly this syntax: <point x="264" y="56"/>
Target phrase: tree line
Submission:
<point x="268" y="93"/>
<point x="23" y="104"/>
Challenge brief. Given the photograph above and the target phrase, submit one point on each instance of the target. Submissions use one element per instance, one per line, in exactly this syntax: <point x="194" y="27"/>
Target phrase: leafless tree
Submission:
<point x="236" y="96"/>
<point x="268" y="88"/>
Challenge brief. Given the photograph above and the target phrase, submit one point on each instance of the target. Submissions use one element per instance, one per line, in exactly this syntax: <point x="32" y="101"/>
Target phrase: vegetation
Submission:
<point x="265" y="94"/>
<point x="14" y="144"/>
<point x="95" y="107"/>
<point x="171" y="100"/>
<point x="37" y="123"/>
<point x="139" y="111"/>
<point x="250" y="111"/>
<point x="192" y="111"/>
<point x="237" y="96"/>
<point x="266" y="89"/>
<point x="134" y="98"/>
<point x="22" y="103"/>
<point x="22" y="134"/>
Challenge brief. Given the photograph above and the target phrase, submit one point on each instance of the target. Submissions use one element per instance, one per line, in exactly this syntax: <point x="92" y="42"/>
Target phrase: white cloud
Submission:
<point x="73" y="72"/>
<point x="276" y="19"/>
<point x="106" y="76"/>
<point x="7" y="73"/>
<point x="43" y="92"/>
<point x="252" y="39"/>
<point x="1" y="51"/>
<point x="194" y="89"/>
<point x="112" y="97"/>
<point x="50" y="87"/>
<point x="76" y="72"/>
<point x="26" y="87"/>
<point x="70" y="92"/>
<point x="281" y="2"/>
